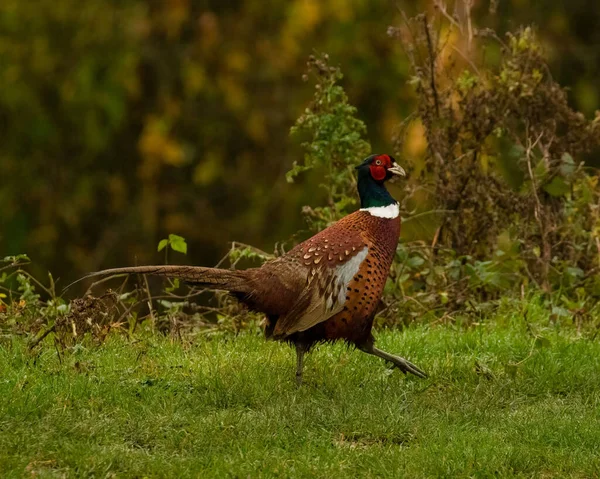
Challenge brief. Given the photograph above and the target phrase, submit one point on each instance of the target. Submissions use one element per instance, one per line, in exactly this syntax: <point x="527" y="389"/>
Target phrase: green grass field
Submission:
<point x="505" y="397"/>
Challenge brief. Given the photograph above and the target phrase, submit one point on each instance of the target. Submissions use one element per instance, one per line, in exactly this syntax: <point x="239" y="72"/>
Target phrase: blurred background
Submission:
<point x="124" y="121"/>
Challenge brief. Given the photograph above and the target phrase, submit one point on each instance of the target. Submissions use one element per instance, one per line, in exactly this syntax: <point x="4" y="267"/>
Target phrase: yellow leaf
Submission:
<point x="173" y="153"/>
<point x="234" y="93"/>
<point x="208" y="168"/>
<point x="238" y="61"/>
<point x="307" y="14"/>
<point x="194" y="78"/>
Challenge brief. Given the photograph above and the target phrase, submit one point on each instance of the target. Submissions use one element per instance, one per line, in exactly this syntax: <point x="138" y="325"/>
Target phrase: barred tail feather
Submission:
<point x="225" y="279"/>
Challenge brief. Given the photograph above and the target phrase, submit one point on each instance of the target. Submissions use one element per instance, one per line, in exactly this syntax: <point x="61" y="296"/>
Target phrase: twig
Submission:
<point x="528" y="154"/>
<point x="467" y="59"/>
<point x="237" y="245"/>
<point x="103" y="280"/>
<point x="125" y="313"/>
<point x="468" y="5"/>
<point x="537" y="212"/>
<point x="30" y="277"/>
<point x="431" y="66"/>
<point x="152" y="317"/>
<point x="12" y="265"/>
<point x="441" y="6"/>
<point x="425" y="213"/>
<point x="39" y="339"/>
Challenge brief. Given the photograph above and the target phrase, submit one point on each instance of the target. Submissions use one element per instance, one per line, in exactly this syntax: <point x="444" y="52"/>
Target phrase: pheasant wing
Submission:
<point x="332" y="257"/>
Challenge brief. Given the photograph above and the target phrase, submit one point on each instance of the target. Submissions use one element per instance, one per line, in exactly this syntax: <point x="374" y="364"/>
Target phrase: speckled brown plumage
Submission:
<point x="336" y="245"/>
<point x="326" y="288"/>
<point x="354" y="322"/>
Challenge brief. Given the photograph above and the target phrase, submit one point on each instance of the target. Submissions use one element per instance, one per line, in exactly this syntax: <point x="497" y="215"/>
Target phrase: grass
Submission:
<point x="506" y="397"/>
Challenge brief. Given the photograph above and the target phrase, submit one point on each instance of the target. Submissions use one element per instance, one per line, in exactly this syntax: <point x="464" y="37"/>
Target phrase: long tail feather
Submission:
<point x="225" y="279"/>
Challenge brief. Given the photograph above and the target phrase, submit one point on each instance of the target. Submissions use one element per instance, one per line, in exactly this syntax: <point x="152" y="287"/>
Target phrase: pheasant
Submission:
<point x="326" y="288"/>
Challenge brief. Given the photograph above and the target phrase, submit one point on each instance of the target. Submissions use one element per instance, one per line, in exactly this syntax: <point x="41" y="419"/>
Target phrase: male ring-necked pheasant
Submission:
<point x="326" y="288"/>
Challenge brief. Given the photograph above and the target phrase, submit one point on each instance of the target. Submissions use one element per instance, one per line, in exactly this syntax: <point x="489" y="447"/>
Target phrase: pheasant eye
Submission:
<point x="378" y="162"/>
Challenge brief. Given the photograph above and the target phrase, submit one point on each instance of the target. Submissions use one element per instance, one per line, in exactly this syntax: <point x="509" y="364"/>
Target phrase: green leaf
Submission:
<point x="163" y="244"/>
<point x="466" y="80"/>
<point x="567" y="165"/>
<point x="541" y="171"/>
<point x="561" y="312"/>
<point x="575" y="272"/>
<point x="173" y="238"/>
<point x="179" y="246"/>
<point x="174" y="285"/>
<point x="16" y="258"/>
<point x="178" y="243"/>
<point x="557" y="187"/>
<point x="415" y="261"/>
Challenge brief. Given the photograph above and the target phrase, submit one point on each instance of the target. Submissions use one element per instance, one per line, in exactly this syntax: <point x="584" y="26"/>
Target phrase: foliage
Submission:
<point x="495" y="233"/>
<point x="481" y="119"/>
<point x="24" y="312"/>
<point x="124" y="121"/>
<point x="500" y="203"/>
<point x="38" y="313"/>
<point x="175" y="242"/>
<point x="335" y="143"/>
<point x="499" y="198"/>
<point x="513" y="395"/>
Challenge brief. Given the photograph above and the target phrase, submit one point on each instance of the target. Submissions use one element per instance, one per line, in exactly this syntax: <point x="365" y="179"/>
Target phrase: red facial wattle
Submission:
<point x="378" y="172"/>
<point x="379" y="167"/>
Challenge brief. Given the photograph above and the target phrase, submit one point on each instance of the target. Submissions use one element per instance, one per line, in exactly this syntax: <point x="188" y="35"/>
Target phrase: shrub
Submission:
<point x="502" y="175"/>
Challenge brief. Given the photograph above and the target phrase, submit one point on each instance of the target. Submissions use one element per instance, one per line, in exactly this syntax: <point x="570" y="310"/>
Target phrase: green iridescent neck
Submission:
<point x="372" y="193"/>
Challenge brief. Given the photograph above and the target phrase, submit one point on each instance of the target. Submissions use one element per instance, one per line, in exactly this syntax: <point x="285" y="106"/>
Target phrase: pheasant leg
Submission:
<point x="403" y="364"/>
<point x="300" y="351"/>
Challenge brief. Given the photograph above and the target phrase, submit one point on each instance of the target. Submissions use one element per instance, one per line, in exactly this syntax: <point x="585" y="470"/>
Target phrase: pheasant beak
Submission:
<point x="396" y="169"/>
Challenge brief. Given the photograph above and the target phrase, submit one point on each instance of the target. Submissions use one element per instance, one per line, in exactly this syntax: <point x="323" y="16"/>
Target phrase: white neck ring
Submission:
<point x="390" y="211"/>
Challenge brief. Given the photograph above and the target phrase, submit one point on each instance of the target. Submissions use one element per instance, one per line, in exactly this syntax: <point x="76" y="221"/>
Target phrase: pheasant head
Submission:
<point x="374" y="197"/>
